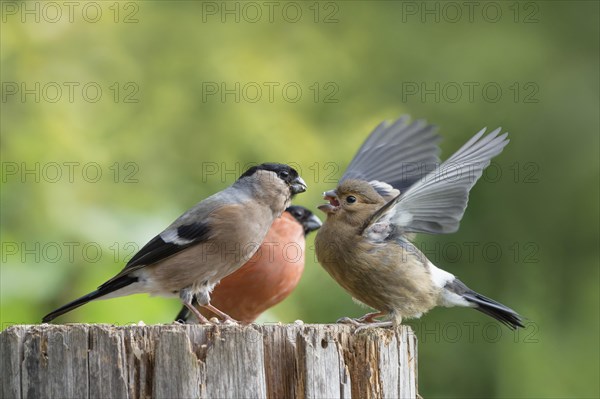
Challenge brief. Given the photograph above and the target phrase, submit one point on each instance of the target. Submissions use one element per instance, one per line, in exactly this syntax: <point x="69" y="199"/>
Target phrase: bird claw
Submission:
<point x="348" y="320"/>
<point x="362" y="323"/>
<point x="370" y="317"/>
<point x="367" y="319"/>
<point x="226" y="318"/>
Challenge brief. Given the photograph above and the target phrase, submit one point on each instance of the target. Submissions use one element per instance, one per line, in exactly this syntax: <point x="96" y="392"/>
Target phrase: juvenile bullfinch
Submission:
<point x="208" y="242"/>
<point x="270" y="276"/>
<point x="395" y="187"/>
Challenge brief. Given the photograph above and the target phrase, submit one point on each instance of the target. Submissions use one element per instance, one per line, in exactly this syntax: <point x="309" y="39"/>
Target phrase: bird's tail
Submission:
<point x="183" y="315"/>
<point x="494" y="309"/>
<point x="103" y="290"/>
<point x="186" y="317"/>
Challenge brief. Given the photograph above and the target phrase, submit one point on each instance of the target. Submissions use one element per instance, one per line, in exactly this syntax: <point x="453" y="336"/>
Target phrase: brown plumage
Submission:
<point x="364" y="243"/>
<point x="208" y="242"/>
<point x="391" y="277"/>
<point x="269" y="276"/>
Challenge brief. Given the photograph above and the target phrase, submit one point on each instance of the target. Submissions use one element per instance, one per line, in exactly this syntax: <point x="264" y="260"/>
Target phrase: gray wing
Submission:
<point x="398" y="154"/>
<point x="191" y="228"/>
<point x="437" y="202"/>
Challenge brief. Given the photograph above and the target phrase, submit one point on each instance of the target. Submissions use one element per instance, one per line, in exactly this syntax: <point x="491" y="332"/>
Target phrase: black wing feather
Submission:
<point x="158" y="249"/>
<point x="155" y="250"/>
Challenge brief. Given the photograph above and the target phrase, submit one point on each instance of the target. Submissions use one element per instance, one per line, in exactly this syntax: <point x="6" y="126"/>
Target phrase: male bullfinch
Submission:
<point x="270" y="276"/>
<point x="395" y="187"/>
<point x="206" y="243"/>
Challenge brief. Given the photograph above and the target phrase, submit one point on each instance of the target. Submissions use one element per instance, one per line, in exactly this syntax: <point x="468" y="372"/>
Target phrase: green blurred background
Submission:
<point x="114" y="123"/>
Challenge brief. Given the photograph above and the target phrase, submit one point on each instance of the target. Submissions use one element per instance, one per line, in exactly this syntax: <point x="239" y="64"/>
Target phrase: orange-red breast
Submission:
<point x="190" y="256"/>
<point x="270" y="275"/>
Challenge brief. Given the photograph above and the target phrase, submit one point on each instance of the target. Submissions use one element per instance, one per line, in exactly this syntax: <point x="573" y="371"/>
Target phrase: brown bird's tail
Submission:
<point x="495" y="309"/>
<point x="104" y="289"/>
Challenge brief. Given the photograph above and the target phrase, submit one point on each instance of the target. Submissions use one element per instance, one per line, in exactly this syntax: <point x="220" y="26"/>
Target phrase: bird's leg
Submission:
<point x="222" y="315"/>
<point x="395" y="321"/>
<point x="368" y="318"/>
<point x="192" y="308"/>
<point x="348" y="320"/>
<point x="187" y="297"/>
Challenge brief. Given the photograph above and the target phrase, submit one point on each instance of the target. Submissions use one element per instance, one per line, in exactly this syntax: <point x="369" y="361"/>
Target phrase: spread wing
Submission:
<point x="436" y="203"/>
<point x="398" y="153"/>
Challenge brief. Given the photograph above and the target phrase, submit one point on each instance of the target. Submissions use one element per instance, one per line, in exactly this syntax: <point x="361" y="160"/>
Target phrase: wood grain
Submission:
<point x="194" y="361"/>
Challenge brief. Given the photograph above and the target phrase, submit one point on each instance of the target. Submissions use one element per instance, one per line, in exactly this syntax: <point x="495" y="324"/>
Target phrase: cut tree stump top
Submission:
<point x="197" y="361"/>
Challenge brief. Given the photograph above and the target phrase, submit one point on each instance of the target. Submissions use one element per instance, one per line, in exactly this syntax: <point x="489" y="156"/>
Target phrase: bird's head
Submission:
<point x="276" y="173"/>
<point x="353" y="201"/>
<point x="308" y="220"/>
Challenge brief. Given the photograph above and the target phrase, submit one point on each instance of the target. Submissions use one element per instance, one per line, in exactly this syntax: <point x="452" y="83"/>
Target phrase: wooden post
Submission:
<point x="195" y="361"/>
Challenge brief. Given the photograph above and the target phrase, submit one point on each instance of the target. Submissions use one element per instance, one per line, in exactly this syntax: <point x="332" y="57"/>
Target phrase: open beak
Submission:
<point x="333" y="205"/>
<point x="298" y="185"/>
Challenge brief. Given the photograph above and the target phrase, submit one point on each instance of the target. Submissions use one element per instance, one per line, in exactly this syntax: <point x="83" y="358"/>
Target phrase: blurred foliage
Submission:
<point x="156" y="156"/>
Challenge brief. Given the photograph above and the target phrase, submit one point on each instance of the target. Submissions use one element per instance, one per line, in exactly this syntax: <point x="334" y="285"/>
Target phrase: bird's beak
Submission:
<point x="333" y="205"/>
<point x="298" y="185"/>
<point x="311" y="224"/>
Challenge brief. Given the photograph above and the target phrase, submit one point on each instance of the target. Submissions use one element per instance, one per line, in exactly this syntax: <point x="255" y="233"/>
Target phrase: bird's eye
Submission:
<point x="351" y="199"/>
<point x="284" y="174"/>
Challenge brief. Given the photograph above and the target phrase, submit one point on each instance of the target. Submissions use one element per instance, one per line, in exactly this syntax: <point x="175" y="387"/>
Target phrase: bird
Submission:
<point x="270" y="275"/>
<point x="208" y="242"/>
<point x="393" y="188"/>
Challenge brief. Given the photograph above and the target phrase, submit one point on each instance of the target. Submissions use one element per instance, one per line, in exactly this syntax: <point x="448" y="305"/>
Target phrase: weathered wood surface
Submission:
<point x="194" y="361"/>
